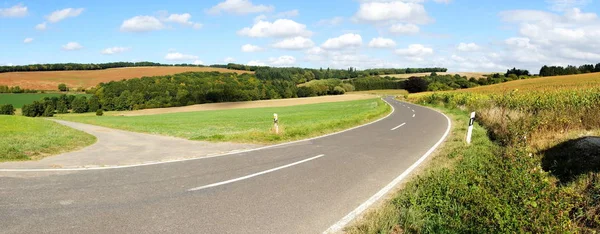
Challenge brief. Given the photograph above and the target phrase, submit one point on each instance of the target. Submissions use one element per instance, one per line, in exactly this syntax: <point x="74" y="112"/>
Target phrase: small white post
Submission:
<point x="470" y="131"/>
<point x="276" y="123"/>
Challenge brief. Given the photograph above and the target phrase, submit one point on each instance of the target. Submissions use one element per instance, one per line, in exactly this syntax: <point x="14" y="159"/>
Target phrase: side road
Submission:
<point x="122" y="148"/>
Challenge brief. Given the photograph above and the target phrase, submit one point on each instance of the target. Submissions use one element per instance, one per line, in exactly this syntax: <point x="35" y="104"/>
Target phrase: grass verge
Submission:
<point x="473" y="189"/>
<point x="248" y="125"/>
<point x="26" y="138"/>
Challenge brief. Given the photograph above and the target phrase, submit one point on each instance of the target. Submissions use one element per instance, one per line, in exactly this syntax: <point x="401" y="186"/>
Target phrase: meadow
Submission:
<point x="49" y="80"/>
<point x="534" y="165"/>
<point x="20" y="99"/>
<point x="26" y="138"/>
<point x="247" y="125"/>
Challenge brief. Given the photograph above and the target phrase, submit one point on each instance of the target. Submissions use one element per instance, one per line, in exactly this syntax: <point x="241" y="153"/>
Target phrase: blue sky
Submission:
<point x="458" y="34"/>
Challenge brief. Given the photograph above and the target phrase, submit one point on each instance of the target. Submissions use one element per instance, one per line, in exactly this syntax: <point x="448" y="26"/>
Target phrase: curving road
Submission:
<point x="305" y="187"/>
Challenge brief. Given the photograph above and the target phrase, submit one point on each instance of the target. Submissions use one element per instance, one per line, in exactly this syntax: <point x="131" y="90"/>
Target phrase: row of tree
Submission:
<point x="83" y="66"/>
<point x="48" y="106"/>
<point x="15" y="89"/>
<point x="569" y="70"/>
<point x="389" y="71"/>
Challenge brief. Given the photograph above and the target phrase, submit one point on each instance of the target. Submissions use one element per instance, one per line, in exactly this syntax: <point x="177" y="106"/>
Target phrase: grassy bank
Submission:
<point x="30" y="139"/>
<point x="473" y="189"/>
<point x="248" y="125"/>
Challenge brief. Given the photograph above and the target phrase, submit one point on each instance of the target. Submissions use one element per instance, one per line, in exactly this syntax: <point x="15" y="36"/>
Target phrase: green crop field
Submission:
<point x="20" y="99"/>
<point x="26" y="138"/>
<point x="248" y="125"/>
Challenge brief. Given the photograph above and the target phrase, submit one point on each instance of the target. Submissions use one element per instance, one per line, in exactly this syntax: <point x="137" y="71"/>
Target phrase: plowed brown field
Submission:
<point x="49" y="80"/>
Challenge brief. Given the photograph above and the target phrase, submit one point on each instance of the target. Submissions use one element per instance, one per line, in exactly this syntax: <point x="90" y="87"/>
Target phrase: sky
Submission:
<point x="462" y="35"/>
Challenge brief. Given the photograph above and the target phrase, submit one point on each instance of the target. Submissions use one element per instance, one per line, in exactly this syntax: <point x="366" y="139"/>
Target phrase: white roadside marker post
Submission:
<point x="276" y="123"/>
<point x="470" y="131"/>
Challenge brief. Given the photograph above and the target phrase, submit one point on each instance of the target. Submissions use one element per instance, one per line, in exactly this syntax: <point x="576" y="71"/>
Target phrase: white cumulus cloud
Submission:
<point x="59" y="15"/>
<point x="349" y="40"/>
<point x="41" y="26"/>
<point x="468" y="47"/>
<point x="114" y="50"/>
<point x="14" y="11"/>
<point x="240" y="7"/>
<point x="404" y="29"/>
<point x="248" y="48"/>
<point x="294" y="43"/>
<point x="381" y="42"/>
<point x="72" y="46"/>
<point x="285" y="60"/>
<point x="403" y="11"/>
<point x="180" y="57"/>
<point x="28" y="40"/>
<point x="279" y="28"/>
<point x="256" y="63"/>
<point x="198" y="62"/>
<point x="141" y="23"/>
<point x="416" y="51"/>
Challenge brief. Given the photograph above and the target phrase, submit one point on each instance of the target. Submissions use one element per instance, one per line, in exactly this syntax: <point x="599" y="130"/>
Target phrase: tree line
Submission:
<point x="15" y="89"/>
<point x="569" y="70"/>
<point x="84" y="66"/>
<point x="390" y="71"/>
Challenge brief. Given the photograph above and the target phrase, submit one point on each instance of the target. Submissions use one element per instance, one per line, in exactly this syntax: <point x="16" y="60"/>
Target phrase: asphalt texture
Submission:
<point x="307" y="197"/>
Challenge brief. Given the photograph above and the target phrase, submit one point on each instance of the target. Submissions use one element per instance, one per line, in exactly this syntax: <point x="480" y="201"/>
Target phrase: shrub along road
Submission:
<point x="303" y="187"/>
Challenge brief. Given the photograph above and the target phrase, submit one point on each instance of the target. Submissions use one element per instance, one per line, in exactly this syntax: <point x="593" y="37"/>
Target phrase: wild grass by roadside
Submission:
<point x="24" y="138"/>
<point x="473" y="189"/>
<point x="249" y="125"/>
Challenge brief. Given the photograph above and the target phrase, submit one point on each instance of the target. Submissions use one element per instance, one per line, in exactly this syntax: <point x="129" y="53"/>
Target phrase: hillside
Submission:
<point x="49" y="80"/>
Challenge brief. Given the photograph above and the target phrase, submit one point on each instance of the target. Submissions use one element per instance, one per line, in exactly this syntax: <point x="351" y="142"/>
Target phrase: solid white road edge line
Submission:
<point x="356" y="212"/>
<point x="254" y="175"/>
<point x="397" y="127"/>
<point x="190" y="159"/>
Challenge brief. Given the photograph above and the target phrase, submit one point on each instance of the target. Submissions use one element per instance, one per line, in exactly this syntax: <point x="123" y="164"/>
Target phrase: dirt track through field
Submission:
<point x="49" y="80"/>
<point x="246" y="105"/>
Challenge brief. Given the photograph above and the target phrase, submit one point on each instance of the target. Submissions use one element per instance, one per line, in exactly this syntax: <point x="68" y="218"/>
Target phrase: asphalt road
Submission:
<point x="304" y="187"/>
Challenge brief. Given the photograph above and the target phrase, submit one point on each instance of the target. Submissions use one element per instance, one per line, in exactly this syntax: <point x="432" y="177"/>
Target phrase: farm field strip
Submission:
<point x="49" y="80"/>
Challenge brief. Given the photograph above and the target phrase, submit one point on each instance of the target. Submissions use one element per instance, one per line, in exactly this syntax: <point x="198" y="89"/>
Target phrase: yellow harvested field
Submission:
<point x="244" y="105"/>
<point x="49" y="80"/>
<point x="467" y="74"/>
<point x="571" y="82"/>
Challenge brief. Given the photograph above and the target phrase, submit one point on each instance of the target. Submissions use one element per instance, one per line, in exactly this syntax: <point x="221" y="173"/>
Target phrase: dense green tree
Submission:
<point x="61" y="107"/>
<point x="48" y="112"/>
<point x="63" y="87"/>
<point x="7" y="109"/>
<point x="416" y="85"/>
<point x="93" y="104"/>
<point x="80" y="104"/>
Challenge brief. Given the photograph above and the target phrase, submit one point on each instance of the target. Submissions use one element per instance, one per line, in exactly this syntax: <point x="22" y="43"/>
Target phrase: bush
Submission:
<point x="99" y="112"/>
<point x="7" y="109"/>
<point x="338" y="90"/>
<point x="63" y="87"/>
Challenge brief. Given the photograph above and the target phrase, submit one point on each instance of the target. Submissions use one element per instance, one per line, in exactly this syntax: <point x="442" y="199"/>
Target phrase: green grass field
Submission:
<point x="248" y="125"/>
<point x="26" y="138"/>
<point x="20" y="99"/>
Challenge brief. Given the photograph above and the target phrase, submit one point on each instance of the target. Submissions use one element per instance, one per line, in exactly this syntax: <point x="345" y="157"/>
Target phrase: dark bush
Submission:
<point x="63" y="87"/>
<point x="7" y="109"/>
<point x="99" y="112"/>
